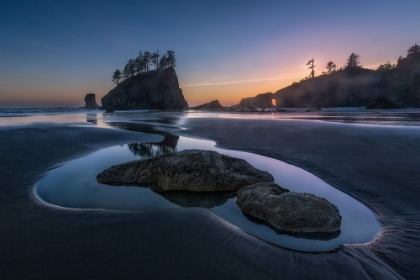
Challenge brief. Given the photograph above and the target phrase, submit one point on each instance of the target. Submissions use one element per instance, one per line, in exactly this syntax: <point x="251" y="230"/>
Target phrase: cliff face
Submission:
<point x="349" y="87"/>
<point x="150" y="90"/>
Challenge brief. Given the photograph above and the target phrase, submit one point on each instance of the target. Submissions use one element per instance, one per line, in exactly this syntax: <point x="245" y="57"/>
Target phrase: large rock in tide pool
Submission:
<point x="192" y="170"/>
<point x="287" y="211"/>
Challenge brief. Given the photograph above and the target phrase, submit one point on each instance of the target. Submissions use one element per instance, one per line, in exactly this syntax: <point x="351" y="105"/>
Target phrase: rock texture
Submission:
<point x="263" y="100"/>
<point x="151" y="90"/>
<point x="91" y="102"/>
<point x="212" y="105"/>
<point x="382" y="103"/>
<point x="193" y="170"/>
<point x="287" y="211"/>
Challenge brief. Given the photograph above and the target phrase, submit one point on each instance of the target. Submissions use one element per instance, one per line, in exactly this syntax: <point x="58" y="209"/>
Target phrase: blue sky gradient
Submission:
<point x="54" y="52"/>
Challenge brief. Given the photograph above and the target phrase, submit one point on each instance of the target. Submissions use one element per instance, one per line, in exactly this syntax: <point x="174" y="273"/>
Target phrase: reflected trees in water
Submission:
<point x="147" y="150"/>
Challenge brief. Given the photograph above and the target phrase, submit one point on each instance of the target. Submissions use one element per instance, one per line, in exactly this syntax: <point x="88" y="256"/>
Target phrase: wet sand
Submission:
<point x="377" y="165"/>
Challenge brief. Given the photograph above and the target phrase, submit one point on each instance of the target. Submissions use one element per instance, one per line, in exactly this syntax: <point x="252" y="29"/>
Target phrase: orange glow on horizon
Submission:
<point x="227" y="94"/>
<point x="231" y="93"/>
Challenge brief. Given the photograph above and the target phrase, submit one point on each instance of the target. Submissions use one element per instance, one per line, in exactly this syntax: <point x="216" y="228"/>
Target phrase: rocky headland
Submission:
<point x="192" y="170"/>
<point x="157" y="89"/>
<point x="349" y="87"/>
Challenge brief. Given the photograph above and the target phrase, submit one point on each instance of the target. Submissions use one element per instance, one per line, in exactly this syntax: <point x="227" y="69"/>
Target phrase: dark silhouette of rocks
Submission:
<point x="90" y="102"/>
<point x="213" y="105"/>
<point x="287" y="211"/>
<point x="348" y="87"/>
<point x="263" y="100"/>
<point x="192" y="170"/>
<point x="158" y="89"/>
<point x="382" y="103"/>
<point x="198" y="199"/>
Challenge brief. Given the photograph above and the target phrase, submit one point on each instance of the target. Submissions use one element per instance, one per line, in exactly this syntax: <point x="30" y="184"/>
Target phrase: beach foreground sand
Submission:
<point x="377" y="165"/>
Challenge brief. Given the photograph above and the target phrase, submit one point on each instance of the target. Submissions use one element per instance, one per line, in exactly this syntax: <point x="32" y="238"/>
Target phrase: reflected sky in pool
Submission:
<point x="74" y="185"/>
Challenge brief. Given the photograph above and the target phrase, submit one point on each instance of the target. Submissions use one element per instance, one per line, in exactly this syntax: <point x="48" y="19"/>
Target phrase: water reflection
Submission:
<point x="92" y="118"/>
<point x="147" y="150"/>
<point x="195" y="199"/>
<point x="325" y="236"/>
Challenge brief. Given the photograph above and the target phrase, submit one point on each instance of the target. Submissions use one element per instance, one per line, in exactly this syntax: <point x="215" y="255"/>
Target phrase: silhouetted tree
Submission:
<point x="155" y="59"/>
<point x="400" y="59"/>
<point x="163" y="62"/>
<point x="414" y="49"/>
<point x="126" y="71"/>
<point x="330" y="67"/>
<point x="139" y="67"/>
<point x="353" y="61"/>
<point x="142" y="64"/>
<point x="171" y="58"/>
<point x="129" y="69"/>
<point x="146" y="58"/>
<point x="312" y="67"/>
<point x="117" y="76"/>
<point x="386" y="67"/>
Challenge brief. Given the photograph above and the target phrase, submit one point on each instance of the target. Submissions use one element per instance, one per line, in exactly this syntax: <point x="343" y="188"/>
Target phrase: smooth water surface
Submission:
<point x="400" y="117"/>
<point x="74" y="185"/>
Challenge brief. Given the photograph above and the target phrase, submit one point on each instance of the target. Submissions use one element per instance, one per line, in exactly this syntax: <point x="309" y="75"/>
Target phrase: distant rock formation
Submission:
<point x="287" y="211"/>
<point x="91" y="102"/>
<point x="355" y="87"/>
<point x="213" y="105"/>
<point x="151" y="90"/>
<point x="382" y="103"/>
<point x="192" y="170"/>
<point x="263" y="100"/>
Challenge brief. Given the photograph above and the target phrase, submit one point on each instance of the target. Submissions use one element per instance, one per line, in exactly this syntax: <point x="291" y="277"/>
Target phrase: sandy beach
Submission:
<point x="377" y="165"/>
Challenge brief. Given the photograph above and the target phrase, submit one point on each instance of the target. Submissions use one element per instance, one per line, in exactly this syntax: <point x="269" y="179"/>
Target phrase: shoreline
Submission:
<point x="216" y="249"/>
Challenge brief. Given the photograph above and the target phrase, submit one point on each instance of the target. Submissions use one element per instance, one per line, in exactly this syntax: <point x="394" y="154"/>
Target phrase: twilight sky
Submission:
<point x="52" y="53"/>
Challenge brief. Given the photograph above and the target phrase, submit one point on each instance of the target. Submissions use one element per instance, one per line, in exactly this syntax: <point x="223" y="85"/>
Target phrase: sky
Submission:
<point x="52" y="53"/>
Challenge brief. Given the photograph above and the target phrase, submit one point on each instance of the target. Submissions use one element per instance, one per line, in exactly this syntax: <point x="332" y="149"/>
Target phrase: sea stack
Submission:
<point x="213" y="105"/>
<point x="157" y="89"/>
<point x="91" y="102"/>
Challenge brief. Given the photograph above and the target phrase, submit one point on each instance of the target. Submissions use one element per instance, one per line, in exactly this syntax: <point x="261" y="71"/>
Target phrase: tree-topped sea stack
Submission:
<point x="148" y="81"/>
<point x="156" y="89"/>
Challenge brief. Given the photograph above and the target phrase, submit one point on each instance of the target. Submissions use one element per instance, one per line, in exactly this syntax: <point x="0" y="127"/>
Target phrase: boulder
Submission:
<point x="91" y="102"/>
<point x="212" y="105"/>
<point x="157" y="89"/>
<point x="287" y="211"/>
<point x="192" y="170"/>
<point x="382" y="103"/>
